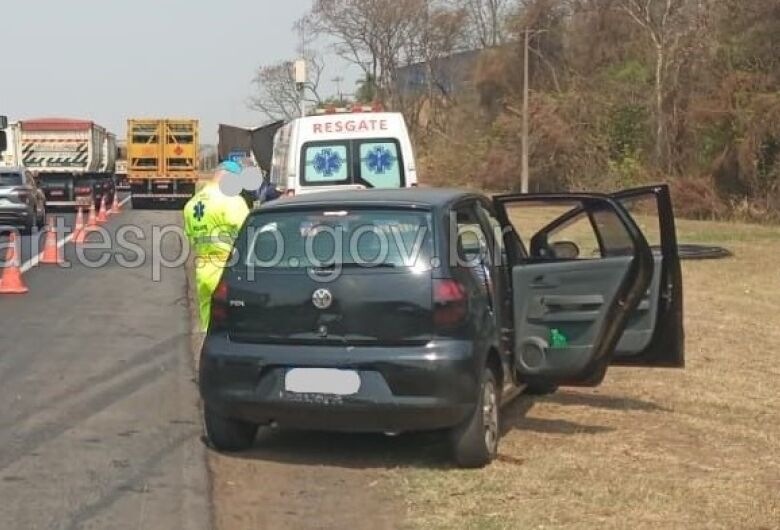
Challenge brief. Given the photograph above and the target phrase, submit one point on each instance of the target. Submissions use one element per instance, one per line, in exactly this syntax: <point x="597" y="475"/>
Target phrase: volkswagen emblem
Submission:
<point x="322" y="299"/>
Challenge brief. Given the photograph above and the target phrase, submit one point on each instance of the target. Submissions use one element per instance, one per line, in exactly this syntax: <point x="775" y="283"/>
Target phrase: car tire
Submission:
<point x="475" y="443"/>
<point x="41" y="219"/>
<point x="30" y="224"/>
<point x="540" y="389"/>
<point x="228" y="435"/>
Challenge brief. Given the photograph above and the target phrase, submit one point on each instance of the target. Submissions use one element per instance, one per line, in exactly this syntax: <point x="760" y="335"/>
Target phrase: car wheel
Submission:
<point x="41" y="220"/>
<point x="540" y="389"/>
<point x="30" y="224"/>
<point x="475" y="443"/>
<point x="225" y="434"/>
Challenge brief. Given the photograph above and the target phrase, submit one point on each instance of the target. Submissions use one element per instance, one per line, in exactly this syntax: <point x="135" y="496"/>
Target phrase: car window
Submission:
<point x="580" y="232"/>
<point x="10" y="179"/>
<point x="471" y="241"/>
<point x="381" y="164"/>
<point x="644" y="210"/>
<point x="361" y="237"/>
<point x="568" y="230"/>
<point x="498" y="248"/>
<point x="325" y="163"/>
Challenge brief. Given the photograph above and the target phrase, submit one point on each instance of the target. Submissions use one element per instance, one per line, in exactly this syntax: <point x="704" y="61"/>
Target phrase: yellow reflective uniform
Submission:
<point x="212" y="221"/>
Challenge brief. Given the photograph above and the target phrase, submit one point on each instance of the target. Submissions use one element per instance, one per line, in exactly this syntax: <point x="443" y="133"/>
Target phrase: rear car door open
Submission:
<point x="588" y="292"/>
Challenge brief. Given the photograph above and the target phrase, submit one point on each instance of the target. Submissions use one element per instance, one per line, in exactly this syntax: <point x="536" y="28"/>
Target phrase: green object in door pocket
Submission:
<point x="558" y="339"/>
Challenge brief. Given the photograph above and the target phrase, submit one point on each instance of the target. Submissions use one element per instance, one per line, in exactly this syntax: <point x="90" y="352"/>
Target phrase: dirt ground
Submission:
<point x="698" y="448"/>
<point x="650" y="448"/>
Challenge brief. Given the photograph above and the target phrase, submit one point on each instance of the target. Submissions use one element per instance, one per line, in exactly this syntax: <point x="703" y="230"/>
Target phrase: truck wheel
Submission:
<point x="228" y="435"/>
<point x="475" y="443"/>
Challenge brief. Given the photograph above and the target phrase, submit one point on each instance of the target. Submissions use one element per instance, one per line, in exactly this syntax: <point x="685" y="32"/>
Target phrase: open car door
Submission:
<point x="590" y="290"/>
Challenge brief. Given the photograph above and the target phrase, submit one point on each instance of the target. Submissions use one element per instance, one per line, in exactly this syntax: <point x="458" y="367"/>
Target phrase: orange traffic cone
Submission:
<point x="116" y="207"/>
<point x="12" y="282"/>
<point x="52" y="253"/>
<point x="80" y="231"/>
<point x="92" y="221"/>
<point x="103" y="214"/>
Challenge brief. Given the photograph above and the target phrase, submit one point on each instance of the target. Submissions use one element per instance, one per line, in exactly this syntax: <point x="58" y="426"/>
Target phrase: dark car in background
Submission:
<point x="21" y="201"/>
<point x="427" y="310"/>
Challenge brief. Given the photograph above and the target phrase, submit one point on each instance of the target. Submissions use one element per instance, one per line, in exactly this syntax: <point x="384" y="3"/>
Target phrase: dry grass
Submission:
<point x="650" y="448"/>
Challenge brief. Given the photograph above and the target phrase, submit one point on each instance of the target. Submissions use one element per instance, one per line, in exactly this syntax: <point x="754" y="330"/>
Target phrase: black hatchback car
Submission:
<point x="428" y="309"/>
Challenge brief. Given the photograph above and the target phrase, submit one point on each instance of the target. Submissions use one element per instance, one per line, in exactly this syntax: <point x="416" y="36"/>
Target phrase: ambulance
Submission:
<point x="343" y="149"/>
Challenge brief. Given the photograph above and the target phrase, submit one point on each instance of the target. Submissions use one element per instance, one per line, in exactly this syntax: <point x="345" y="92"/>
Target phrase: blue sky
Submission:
<point x="108" y="60"/>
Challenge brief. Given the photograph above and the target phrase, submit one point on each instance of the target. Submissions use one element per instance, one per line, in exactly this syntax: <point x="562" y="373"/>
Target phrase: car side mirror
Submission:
<point x="3" y="142"/>
<point x="565" y="250"/>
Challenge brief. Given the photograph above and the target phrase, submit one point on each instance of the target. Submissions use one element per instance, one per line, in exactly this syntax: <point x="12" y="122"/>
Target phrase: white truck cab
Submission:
<point x="343" y="149"/>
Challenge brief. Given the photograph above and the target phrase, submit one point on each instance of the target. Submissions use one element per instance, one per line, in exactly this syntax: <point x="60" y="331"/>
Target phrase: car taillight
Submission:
<point x="450" y="303"/>
<point x="219" y="306"/>
<point x="83" y="190"/>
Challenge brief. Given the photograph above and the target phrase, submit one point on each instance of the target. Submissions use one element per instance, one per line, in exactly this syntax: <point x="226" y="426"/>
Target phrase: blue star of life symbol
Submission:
<point x="200" y="211"/>
<point x="380" y="160"/>
<point x="327" y="162"/>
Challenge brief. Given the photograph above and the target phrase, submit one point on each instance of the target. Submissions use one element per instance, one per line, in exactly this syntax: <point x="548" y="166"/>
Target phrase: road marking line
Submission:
<point x="61" y="243"/>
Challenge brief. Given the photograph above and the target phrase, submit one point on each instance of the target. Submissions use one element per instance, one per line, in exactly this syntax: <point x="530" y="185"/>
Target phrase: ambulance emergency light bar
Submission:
<point x="376" y="107"/>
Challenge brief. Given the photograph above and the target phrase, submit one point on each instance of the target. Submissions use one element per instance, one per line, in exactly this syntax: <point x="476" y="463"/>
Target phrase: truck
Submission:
<point x="73" y="160"/>
<point x="162" y="160"/>
<point x="9" y="143"/>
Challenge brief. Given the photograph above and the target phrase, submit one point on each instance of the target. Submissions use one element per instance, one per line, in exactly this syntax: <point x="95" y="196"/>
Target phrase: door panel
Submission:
<point x="571" y="309"/>
<point x="639" y="331"/>
<point x="567" y="299"/>
<point x="656" y="338"/>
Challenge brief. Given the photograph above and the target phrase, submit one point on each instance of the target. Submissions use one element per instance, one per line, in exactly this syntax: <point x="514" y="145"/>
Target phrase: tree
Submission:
<point x="663" y="21"/>
<point x="486" y="21"/>
<point x="371" y="34"/>
<point x="276" y="93"/>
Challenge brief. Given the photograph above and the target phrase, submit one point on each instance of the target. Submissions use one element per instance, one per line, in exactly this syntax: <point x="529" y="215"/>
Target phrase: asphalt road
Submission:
<point x="98" y="410"/>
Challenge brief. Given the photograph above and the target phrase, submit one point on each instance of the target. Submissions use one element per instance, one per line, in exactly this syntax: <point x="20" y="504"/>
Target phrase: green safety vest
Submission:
<point x="212" y="221"/>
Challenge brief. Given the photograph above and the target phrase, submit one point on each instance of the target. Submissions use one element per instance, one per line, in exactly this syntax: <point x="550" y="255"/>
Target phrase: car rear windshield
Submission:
<point x="374" y="163"/>
<point x="10" y="179"/>
<point x="354" y="238"/>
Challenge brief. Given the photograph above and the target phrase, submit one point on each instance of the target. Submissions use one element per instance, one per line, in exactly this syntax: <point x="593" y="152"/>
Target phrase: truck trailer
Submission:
<point x="162" y="160"/>
<point x="73" y="160"/>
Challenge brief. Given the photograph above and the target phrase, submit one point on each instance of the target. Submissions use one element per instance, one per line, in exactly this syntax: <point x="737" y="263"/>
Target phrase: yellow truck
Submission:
<point x="162" y="160"/>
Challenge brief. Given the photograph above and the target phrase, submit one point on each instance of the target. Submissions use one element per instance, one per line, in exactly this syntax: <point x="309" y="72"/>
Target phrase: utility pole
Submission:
<point x="299" y="74"/>
<point x="338" y="80"/>
<point x="525" y="176"/>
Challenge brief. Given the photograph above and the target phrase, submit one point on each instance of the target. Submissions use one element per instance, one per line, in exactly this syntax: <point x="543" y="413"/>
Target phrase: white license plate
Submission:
<point x="322" y="381"/>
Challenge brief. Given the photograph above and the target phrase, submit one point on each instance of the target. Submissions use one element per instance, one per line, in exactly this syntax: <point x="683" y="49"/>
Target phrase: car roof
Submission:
<point x="429" y="197"/>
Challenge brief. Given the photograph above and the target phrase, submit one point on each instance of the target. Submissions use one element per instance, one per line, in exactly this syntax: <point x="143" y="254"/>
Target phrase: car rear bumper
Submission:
<point x="12" y="214"/>
<point x="416" y="388"/>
